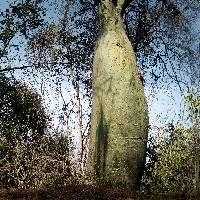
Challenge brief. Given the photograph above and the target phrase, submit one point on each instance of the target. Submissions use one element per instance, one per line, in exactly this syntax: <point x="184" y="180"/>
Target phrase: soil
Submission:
<point x="83" y="192"/>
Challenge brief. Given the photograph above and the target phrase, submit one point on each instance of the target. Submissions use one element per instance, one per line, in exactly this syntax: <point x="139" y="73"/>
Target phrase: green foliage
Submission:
<point x="192" y="102"/>
<point x="173" y="170"/>
<point x="22" y="18"/>
<point x="31" y="166"/>
<point x="21" y="112"/>
<point x="28" y="156"/>
<point x="173" y="164"/>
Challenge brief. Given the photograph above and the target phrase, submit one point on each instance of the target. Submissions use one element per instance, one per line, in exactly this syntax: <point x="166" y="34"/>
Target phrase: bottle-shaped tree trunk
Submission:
<point x="119" y="112"/>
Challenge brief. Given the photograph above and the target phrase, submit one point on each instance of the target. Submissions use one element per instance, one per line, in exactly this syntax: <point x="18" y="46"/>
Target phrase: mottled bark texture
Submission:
<point x="119" y="111"/>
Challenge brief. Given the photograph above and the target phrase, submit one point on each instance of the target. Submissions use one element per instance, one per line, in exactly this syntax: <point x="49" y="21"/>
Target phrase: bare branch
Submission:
<point x="15" y="68"/>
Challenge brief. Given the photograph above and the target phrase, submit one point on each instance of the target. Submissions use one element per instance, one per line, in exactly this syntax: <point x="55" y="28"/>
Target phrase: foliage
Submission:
<point x="173" y="154"/>
<point x="19" y="18"/>
<point x="29" y="156"/>
<point x="21" y="112"/>
<point x="30" y="166"/>
<point x="160" y="31"/>
<point x="173" y="170"/>
<point x="192" y="102"/>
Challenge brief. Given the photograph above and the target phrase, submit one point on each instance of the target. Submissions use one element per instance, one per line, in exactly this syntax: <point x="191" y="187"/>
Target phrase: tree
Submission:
<point x="21" y="111"/>
<point x="119" y="111"/>
<point x="29" y="155"/>
<point x="23" y="122"/>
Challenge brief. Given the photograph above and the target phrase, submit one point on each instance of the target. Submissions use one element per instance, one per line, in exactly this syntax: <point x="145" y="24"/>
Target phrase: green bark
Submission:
<point x="119" y="111"/>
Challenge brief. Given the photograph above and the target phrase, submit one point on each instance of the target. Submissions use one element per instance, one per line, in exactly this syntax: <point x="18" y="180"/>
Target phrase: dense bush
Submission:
<point x="172" y="168"/>
<point x="25" y="166"/>
<point x="29" y="157"/>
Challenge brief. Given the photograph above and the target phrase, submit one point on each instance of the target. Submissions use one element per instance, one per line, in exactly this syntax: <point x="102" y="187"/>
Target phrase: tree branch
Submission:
<point x="15" y="68"/>
<point x="126" y="4"/>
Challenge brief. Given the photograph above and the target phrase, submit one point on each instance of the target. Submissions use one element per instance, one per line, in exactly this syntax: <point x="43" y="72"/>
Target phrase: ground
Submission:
<point x="76" y="192"/>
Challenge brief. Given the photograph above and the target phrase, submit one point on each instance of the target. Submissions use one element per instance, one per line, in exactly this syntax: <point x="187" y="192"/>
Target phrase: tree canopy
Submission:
<point x="21" y="111"/>
<point x="161" y="32"/>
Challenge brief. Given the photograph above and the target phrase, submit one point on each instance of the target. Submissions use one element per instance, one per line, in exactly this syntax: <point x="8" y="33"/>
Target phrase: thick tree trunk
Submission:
<point x="119" y="111"/>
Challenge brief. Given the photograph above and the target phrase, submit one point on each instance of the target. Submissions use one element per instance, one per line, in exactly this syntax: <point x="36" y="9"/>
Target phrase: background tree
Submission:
<point x="173" y="155"/>
<point x="30" y="155"/>
<point x="22" y="111"/>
